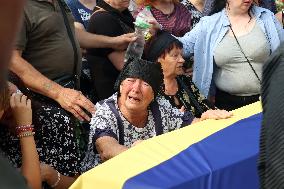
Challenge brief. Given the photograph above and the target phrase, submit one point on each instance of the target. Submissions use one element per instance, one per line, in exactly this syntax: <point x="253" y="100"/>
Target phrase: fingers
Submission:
<point x="23" y="100"/>
<point x="74" y="112"/>
<point x="29" y="103"/>
<point x="86" y="104"/>
<point x="75" y="102"/>
<point x="182" y="109"/>
<point x="130" y="36"/>
<point x="19" y="100"/>
<point x="81" y="114"/>
<point x="12" y="100"/>
<point x="216" y="114"/>
<point x="223" y="114"/>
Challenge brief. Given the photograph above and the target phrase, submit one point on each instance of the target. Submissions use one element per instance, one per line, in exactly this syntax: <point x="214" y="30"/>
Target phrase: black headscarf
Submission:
<point x="147" y="71"/>
<point x="158" y="44"/>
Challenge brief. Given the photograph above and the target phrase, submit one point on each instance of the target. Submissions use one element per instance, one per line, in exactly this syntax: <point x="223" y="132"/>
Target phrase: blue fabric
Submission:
<point x="81" y="13"/>
<point x="208" y="33"/>
<point x="224" y="160"/>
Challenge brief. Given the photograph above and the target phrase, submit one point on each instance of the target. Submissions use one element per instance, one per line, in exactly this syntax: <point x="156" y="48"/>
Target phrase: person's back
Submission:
<point x="271" y="162"/>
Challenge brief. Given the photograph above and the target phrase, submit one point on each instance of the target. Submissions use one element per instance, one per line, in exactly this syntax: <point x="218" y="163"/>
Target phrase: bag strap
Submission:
<point x="157" y="118"/>
<point x="248" y="61"/>
<point x="72" y="39"/>
<point x="119" y="121"/>
<point x="156" y="114"/>
<point x="282" y="18"/>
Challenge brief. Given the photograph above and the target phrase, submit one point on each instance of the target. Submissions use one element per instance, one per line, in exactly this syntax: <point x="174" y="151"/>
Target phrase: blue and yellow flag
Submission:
<point x="219" y="154"/>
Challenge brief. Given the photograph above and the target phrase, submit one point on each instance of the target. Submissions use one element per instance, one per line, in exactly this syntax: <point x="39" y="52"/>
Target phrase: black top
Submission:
<point x="10" y="177"/>
<point x="110" y="22"/>
<point x="189" y="96"/>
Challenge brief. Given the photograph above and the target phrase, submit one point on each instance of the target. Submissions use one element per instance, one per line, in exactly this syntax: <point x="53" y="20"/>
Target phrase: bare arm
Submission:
<point x="78" y="25"/>
<point x="30" y="162"/>
<point x="117" y="59"/>
<point x="22" y="112"/>
<point x="108" y="147"/>
<point x="89" y="40"/>
<point x="50" y="175"/>
<point x="28" y="73"/>
<point x="69" y="99"/>
<point x="279" y="17"/>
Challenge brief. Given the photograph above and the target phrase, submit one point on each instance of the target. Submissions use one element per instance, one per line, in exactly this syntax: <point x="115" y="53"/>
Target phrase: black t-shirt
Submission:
<point x="44" y="40"/>
<point x="108" y="22"/>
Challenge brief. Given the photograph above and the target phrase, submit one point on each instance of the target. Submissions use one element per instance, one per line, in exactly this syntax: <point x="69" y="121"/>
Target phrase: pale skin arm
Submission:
<point x="279" y="17"/>
<point x="89" y="40"/>
<point x="22" y="112"/>
<point x="69" y="99"/>
<point x="108" y="147"/>
<point x="117" y="59"/>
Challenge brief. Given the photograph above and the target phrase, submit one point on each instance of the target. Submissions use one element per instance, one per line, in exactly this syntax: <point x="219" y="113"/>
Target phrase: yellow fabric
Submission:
<point x="113" y="173"/>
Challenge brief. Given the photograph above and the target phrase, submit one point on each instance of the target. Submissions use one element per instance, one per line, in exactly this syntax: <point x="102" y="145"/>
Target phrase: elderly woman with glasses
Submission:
<point x="180" y="91"/>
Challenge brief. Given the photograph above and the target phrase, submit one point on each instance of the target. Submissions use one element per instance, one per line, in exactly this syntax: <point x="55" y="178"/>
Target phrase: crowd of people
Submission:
<point x="69" y="101"/>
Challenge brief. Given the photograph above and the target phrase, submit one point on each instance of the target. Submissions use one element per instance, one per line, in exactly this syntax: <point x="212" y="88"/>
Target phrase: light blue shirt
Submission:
<point x="207" y="34"/>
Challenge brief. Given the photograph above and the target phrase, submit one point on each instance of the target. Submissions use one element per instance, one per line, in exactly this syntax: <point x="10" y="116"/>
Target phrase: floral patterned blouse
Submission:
<point x="105" y="123"/>
<point x="189" y="96"/>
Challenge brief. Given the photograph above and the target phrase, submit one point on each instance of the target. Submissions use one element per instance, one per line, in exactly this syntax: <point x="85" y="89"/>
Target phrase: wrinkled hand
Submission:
<point x="74" y="102"/>
<point x="216" y="114"/>
<point x="121" y="42"/>
<point x="21" y="109"/>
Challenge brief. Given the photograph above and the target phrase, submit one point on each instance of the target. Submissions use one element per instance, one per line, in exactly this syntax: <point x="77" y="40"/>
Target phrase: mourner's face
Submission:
<point x="239" y="4"/>
<point x="172" y="62"/>
<point x="135" y="94"/>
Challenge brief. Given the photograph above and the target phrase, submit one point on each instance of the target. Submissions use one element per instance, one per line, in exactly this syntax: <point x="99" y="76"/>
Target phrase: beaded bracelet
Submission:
<point x="19" y="131"/>
<point x="24" y="126"/>
<point x="26" y="134"/>
<point x="57" y="181"/>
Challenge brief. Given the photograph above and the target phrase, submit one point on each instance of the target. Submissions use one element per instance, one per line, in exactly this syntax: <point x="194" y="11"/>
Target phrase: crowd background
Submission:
<point x="69" y="101"/>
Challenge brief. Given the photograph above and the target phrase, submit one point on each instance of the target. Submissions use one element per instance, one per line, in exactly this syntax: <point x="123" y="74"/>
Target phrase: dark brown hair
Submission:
<point x="4" y="97"/>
